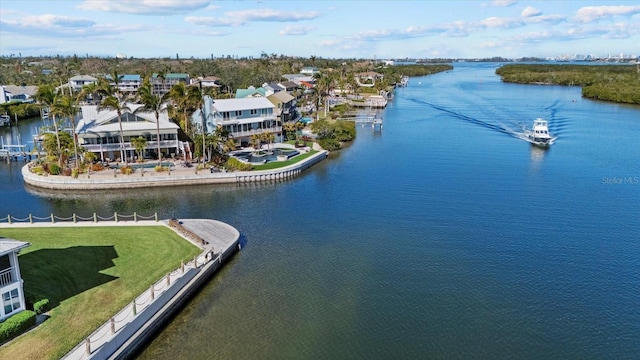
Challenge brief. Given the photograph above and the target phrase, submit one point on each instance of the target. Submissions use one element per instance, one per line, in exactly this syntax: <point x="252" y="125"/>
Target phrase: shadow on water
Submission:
<point x="59" y="274"/>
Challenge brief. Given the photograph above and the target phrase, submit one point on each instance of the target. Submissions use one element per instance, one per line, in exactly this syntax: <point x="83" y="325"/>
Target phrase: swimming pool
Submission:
<point x="265" y="155"/>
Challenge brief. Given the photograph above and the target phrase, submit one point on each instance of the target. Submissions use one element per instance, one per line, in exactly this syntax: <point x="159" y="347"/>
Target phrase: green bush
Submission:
<point x="54" y="169"/>
<point x="235" y="164"/>
<point x="41" y="306"/>
<point x="330" y="144"/>
<point x="16" y="325"/>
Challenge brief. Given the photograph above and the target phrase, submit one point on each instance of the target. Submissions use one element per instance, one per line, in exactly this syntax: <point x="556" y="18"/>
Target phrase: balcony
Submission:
<point x="7" y="277"/>
<point x="164" y="144"/>
<point x="239" y="134"/>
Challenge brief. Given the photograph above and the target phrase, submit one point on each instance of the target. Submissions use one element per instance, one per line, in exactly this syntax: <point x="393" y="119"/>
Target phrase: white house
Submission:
<point x="23" y="94"/>
<point x="241" y="117"/>
<point x="11" y="291"/>
<point x="78" y="81"/>
<point x="99" y="132"/>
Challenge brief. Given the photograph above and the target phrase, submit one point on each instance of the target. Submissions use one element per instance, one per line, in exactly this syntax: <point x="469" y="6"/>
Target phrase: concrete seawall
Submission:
<point x="107" y="180"/>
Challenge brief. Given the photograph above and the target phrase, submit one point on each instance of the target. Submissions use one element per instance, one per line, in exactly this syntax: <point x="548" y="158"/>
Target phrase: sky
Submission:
<point x="379" y="29"/>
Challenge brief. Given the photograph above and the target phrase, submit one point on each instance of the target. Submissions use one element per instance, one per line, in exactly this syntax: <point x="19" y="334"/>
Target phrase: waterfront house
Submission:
<point x="78" y="81"/>
<point x="25" y="94"/>
<point x="289" y="86"/>
<point x="10" y="279"/>
<point x="162" y="86"/>
<point x="285" y="105"/>
<point x="369" y="78"/>
<point x="272" y="88"/>
<point x="242" y="118"/>
<point x="99" y="132"/>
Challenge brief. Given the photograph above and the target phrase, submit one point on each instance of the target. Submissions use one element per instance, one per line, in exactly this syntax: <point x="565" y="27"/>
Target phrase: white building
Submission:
<point x="99" y="132"/>
<point x="11" y="291"/>
<point x="241" y="117"/>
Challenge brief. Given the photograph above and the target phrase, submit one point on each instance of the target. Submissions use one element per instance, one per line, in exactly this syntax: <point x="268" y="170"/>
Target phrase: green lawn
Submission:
<point x="88" y="274"/>
<point x="279" y="164"/>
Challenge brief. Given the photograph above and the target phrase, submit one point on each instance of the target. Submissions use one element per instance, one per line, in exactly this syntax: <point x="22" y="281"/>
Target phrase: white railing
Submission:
<point x="127" y="146"/>
<point x="237" y="134"/>
<point x="7" y="277"/>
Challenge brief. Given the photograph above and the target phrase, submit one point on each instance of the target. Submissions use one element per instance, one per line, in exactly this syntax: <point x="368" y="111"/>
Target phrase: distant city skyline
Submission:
<point x="328" y="29"/>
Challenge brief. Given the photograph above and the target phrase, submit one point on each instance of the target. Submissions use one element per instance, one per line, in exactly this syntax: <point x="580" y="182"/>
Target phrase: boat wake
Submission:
<point x="515" y="129"/>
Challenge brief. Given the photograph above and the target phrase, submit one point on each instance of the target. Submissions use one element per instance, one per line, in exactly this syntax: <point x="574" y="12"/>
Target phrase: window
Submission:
<point x="254" y="111"/>
<point x="238" y="113"/>
<point x="10" y="301"/>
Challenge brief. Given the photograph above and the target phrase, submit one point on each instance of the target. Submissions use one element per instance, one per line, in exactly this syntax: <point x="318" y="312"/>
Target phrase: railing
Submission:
<point x="274" y="129"/>
<point x="76" y="218"/>
<point x="7" y="277"/>
<point x="127" y="146"/>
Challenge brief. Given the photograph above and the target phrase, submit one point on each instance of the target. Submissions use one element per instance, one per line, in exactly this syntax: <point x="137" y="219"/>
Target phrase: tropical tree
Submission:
<point x="64" y="106"/>
<point x="46" y="96"/>
<point x="255" y="141"/>
<point x="112" y="100"/>
<point x="152" y="103"/>
<point x="179" y="94"/>
<point x="140" y="144"/>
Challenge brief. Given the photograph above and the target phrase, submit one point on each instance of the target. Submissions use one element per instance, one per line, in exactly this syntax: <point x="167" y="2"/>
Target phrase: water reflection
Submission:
<point x="537" y="153"/>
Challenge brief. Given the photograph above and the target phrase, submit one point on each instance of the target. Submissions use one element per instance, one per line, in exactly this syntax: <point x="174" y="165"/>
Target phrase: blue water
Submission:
<point x="443" y="236"/>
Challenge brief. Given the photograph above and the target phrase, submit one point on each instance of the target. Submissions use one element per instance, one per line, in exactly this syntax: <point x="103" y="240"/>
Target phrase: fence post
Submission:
<point x="195" y="261"/>
<point x="53" y="220"/>
<point x="133" y="306"/>
<point x="30" y="219"/>
<point x="74" y="218"/>
<point x="153" y="295"/>
<point x="115" y="216"/>
<point x="156" y="216"/>
<point x="87" y="346"/>
<point x="135" y="217"/>
<point x="9" y="218"/>
<point x="182" y="266"/>
<point x="168" y="279"/>
<point x="95" y="218"/>
<point x="113" y="326"/>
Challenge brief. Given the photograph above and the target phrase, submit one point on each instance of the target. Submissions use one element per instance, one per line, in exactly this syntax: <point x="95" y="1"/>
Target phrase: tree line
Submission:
<point x="615" y="83"/>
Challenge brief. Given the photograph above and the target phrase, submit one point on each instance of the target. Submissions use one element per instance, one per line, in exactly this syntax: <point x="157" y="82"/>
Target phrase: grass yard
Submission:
<point x="279" y="164"/>
<point x="88" y="274"/>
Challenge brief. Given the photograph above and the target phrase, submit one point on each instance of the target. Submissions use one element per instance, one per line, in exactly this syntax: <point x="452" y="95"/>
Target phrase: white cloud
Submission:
<point x="507" y="23"/>
<point x="593" y="13"/>
<point x="145" y="7"/>
<point x="530" y="11"/>
<point x="503" y="3"/>
<point x="237" y="18"/>
<point x="57" y="26"/>
<point x="296" y="30"/>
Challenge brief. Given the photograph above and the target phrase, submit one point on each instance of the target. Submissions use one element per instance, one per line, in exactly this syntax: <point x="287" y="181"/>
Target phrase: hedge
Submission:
<point x="16" y="325"/>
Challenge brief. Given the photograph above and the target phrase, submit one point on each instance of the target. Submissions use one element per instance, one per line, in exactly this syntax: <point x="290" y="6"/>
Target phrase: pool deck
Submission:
<point x="178" y="175"/>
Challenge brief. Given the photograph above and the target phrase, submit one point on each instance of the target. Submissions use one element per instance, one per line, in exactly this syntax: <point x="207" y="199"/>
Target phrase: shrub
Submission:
<point x="127" y="170"/>
<point x="66" y="172"/>
<point x="235" y="164"/>
<point x="330" y="144"/>
<point x="54" y="169"/>
<point x="41" y="306"/>
<point x="16" y="325"/>
<point x="75" y="173"/>
<point x="37" y="169"/>
<point x="97" y="167"/>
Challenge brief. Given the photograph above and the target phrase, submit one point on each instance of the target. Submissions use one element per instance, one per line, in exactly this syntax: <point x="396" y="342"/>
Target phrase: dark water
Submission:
<point x="444" y="236"/>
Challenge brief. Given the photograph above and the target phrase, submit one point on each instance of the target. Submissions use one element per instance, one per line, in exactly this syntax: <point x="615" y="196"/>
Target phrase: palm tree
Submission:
<point x="46" y="95"/>
<point x="91" y="89"/>
<point x="180" y="95"/>
<point x="64" y="105"/>
<point x="112" y="101"/>
<point x="152" y="103"/>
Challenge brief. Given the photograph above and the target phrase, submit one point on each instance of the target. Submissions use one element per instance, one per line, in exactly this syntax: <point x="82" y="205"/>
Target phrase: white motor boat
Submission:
<point x="540" y="135"/>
